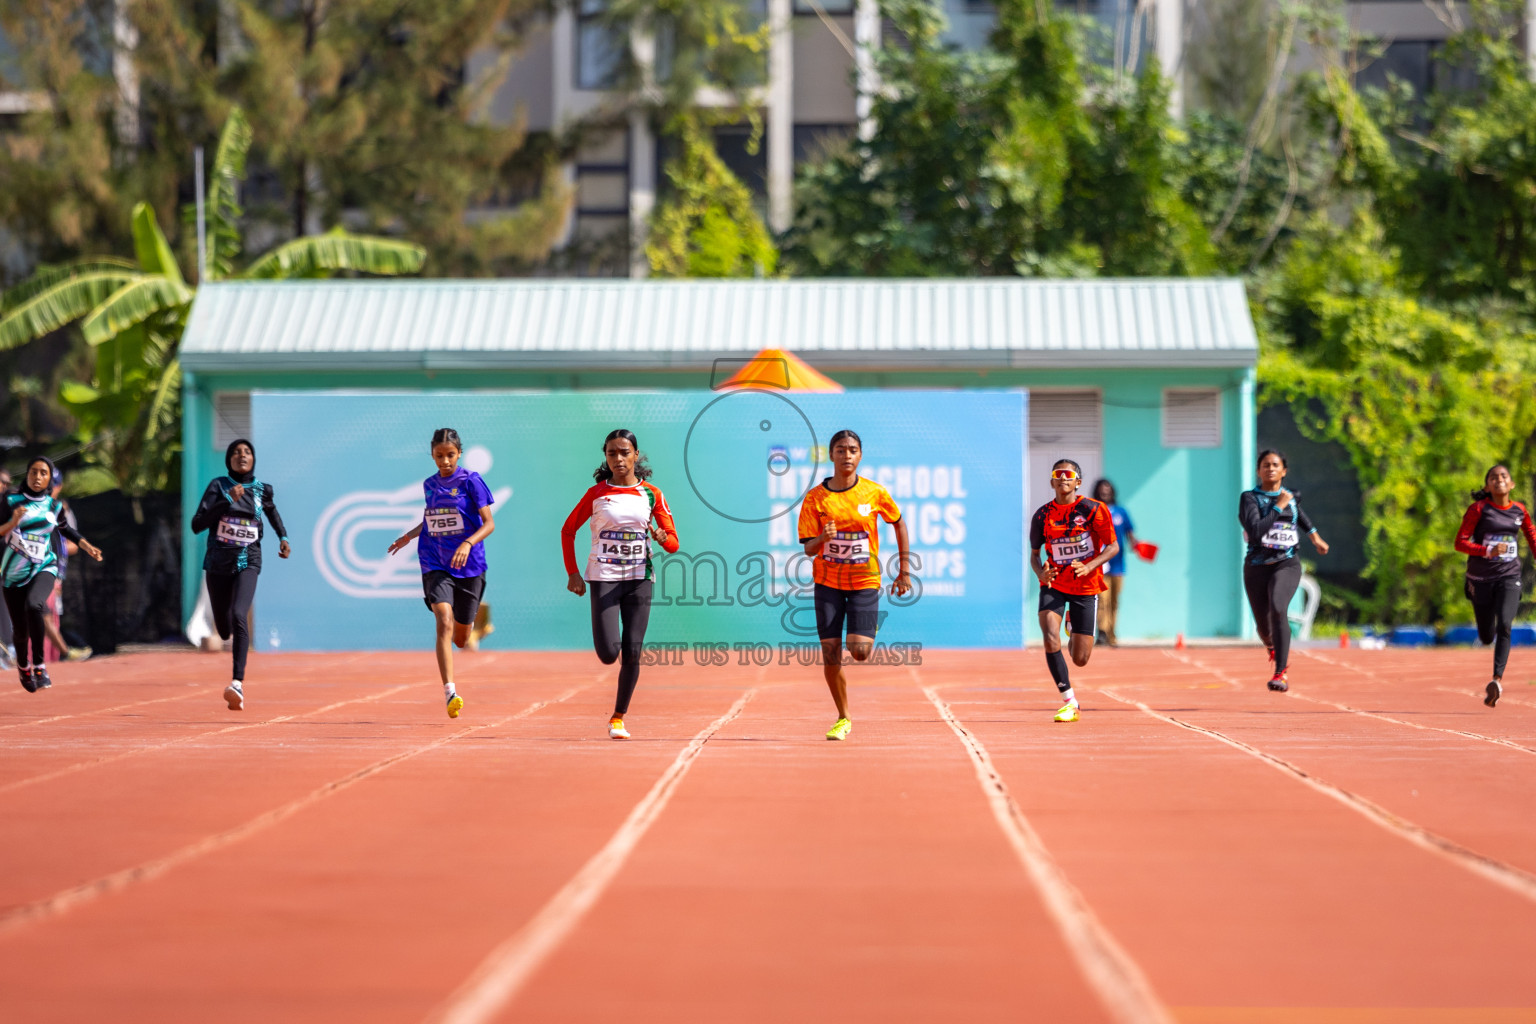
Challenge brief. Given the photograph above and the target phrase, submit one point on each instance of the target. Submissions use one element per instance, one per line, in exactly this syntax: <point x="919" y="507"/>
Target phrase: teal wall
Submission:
<point x="1183" y="500"/>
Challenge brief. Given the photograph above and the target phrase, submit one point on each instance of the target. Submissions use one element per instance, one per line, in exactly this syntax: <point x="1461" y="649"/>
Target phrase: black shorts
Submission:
<point x="442" y="587"/>
<point x="1082" y="610"/>
<point x="859" y="608"/>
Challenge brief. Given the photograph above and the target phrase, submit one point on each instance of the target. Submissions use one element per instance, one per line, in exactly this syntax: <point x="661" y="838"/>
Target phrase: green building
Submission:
<point x="1148" y="382"/>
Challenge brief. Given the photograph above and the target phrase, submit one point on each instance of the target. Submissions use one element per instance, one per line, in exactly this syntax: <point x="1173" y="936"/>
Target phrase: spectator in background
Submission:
<point x="1114" y="569"/>
<point x="7" y="643"/>
<point x="63" y="548"/>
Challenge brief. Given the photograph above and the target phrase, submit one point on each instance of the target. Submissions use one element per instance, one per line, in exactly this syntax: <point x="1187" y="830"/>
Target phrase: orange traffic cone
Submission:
<point x="1178" y="642"/>
<point x="1344" y="639"/>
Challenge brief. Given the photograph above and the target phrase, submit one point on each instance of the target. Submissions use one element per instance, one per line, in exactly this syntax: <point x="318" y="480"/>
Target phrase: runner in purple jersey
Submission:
<point x="450" y="543"/>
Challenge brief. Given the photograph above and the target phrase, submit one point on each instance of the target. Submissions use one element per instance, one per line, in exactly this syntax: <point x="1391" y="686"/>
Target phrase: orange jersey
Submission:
<point x="1073" y="533"/>
<point x="851" y="559"/>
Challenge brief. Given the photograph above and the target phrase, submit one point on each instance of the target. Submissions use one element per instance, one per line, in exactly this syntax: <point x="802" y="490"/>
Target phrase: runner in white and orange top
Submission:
<point x="840" y="529"/>
<point x="627" y="513"/>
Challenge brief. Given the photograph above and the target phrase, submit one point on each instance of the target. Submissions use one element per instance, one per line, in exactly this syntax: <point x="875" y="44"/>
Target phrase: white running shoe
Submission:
<point x="234" y="696"/>
<point x="616" y="730"/>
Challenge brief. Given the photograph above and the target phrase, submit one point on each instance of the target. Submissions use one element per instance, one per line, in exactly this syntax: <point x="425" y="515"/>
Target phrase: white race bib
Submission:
<point x="444" y="522"/>
<point x="1071" y="549"/>
<point x="847" y="547"/>
<point x="622" y="547"/>
<point x="1281" y="536"/>
<point x="242" y="533"/>
<point x="31" y="546"/>
<point x="1501" y="547"/>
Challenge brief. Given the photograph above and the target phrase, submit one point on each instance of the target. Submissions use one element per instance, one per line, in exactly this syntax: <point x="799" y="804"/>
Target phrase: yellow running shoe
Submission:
<point x="841" y="730"/>
<point x="1067" y="714"/>
<point x="616" y="730"/>
<point x="455" y="705"/>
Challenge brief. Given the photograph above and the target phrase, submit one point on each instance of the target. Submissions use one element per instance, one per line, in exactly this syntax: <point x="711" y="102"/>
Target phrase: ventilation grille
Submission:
<point x="231" y="417"/>
<point x="1192" y="418"/>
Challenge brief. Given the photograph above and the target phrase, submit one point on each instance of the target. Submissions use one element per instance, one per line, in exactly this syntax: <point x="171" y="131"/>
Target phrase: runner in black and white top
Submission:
<point x="29" y="566"/>
<point x="235" y="510"/>
<point x="1273" y="524"/>
<point x="1489" y="537"/>
<point x="627" y="513"/>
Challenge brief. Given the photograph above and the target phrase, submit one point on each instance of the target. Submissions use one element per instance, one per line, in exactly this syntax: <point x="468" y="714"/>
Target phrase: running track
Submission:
<point x="1196" y="849"/>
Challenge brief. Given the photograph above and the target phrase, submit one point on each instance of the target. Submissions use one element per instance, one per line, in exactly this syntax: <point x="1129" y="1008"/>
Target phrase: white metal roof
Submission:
<point x="853" y="323"/>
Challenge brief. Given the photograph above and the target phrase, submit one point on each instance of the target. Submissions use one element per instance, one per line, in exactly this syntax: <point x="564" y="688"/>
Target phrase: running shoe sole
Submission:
<point x="455" y="705"/>
<point x="234" y="698"/>
<point x="1279" y="685"/>
<point x="840" y="730"/>
<point x="1491" y="694"/>
<point x="28" y="681"/>
<point x="41" y="681"/>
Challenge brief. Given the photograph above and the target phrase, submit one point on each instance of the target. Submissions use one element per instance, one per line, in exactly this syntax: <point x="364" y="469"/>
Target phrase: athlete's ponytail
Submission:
<point x="642" y="467"/>
<point x="1484" y="494"/>
<point x="447" y="435"/>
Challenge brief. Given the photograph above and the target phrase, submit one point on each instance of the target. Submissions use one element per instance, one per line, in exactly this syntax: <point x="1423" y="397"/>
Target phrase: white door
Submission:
<point x="1063" y="425"/>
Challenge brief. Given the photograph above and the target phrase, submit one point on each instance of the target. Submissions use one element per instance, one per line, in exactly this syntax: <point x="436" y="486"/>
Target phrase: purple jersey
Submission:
<point x="453" y="513"/>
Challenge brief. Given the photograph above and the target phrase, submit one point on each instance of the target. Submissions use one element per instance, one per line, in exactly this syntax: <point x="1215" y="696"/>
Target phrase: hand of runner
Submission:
<point x="283" y="550"/>
<point x="1284" y="501"/>
<point x="1079" y="569"/>
<point x="91" y="549"/>
<point x="236" y="493"/>
<point x="399" y="543"/>
<point x="1320" y="544"/>
<point x="658" y="534"/>
<point x="828" y="531"/>
<point x="461" y="555"/>
<point x="902" y="584"/>
<point x="576" y="585"/>
<point x="17" y="513"/>
<point x="1048" y="572"/>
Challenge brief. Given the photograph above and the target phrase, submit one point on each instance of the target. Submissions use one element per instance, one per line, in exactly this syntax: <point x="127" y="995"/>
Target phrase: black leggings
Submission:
<point x="231" y="595"/>
<point x="620" y="612"/>
<point x="27" y="604"/>
<point x="1494" y="603"/>
<point x="1270" y="589"/>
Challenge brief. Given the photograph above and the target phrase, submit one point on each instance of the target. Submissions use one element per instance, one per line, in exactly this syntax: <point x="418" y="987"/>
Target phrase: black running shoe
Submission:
<point x="1279" y="683"/>
<point x="40" y="678"/>
<point x="1492" y="694"/>
<point x="28" y="683"/>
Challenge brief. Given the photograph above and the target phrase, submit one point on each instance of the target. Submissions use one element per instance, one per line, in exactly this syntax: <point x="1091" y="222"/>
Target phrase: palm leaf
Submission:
<point x="224" y="194"/>
<point x="163" y="404"/>
<point x="132" y="304"/>
<point x="47" y="277"/>
<point x="60" y="304"/>
<point x="337" y="250"/>
<point x="149" y="244"/>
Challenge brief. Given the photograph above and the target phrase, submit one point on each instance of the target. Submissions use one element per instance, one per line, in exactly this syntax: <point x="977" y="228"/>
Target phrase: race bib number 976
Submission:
<point x="444" y="522"/>
<point x="31" y="546"/>
<point x="1071" y="549"/>
<point x="849" y="547"/>
<point x="241" y="533"/>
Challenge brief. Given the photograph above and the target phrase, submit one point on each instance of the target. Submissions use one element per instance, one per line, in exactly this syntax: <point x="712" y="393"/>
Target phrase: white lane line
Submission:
<point x="497" y="979"/>
<point x="1114" y="976"/>
<point x="70" y="769"/>
<point x="103" y="711"/>
<point x="1415" y="725"/>
<point x="69" y="899"/>
<point x="1504" y="698"/>
<point x="1510" y="877"/>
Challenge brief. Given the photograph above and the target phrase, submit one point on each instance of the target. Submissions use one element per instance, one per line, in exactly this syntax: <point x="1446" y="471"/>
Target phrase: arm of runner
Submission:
<point x="1529" y="529"/>
<point x="405" y="538"/>
<point x="665" y="530"/>
<point x="269" y="509"/>
<point x="903" y="582"/>
<point x="1464" y="542"/>
<point x="1311" y="531"/>
<point x="813" y="532"/>
<point x="1255" y="524"/>
<point x="208" y="509"/>
<point x="1045" y="572"/>
<point x="11" y="524"/>
<point x="580" y="514"/>
<point x="467" y="546"/>
<point x="1102" y="529"/>
<point x="70" y="533"/>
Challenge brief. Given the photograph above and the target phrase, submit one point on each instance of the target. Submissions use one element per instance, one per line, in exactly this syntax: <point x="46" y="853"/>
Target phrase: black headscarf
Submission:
<point x="53" y="471"/>
<point x="229" y="456"/>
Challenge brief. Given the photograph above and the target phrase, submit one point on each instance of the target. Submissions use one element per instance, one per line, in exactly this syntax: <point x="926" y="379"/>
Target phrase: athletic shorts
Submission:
<point x="860" y="609"/>
<point x="1082" y="610"/>
<point x="463" y="592"/>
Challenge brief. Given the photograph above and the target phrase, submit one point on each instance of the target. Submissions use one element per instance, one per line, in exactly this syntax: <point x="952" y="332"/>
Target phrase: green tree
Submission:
<point x="132" y="314"/>
<point x="707" y="226"/>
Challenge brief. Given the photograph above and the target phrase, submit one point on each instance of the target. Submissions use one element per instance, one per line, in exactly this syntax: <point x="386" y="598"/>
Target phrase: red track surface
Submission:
<point x="1195" y="849"/>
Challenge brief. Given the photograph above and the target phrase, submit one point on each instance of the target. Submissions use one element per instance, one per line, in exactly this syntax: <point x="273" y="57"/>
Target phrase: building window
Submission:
<point x="1063" y="425"/>
<point x="1420" y="63"/>
<point x="1191" y="417"/>
<point x="602" y="187"/>
<point x="231" y="417"/>
<point x="600" y="46"/>
<point x="833" y="7"/>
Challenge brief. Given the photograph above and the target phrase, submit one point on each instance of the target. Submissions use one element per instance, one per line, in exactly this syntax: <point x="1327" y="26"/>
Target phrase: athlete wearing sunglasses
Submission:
<point x="1078" y="537"/>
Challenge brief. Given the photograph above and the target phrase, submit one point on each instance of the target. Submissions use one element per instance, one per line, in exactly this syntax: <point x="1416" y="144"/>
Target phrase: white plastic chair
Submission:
<point x="1311" y="596"/>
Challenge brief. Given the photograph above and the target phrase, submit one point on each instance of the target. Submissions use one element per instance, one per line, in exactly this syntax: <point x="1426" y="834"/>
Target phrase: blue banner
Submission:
<point x="347" y="469"/>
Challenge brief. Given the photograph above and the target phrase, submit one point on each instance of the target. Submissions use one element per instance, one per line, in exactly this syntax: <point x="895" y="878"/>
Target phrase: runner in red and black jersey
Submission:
<point x="1488" y="538"/>
<point x="1078" y="537"/>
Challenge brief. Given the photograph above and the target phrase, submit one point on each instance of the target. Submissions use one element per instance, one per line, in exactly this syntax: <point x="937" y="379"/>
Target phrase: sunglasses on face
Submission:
<point x="1063" y="474"/>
